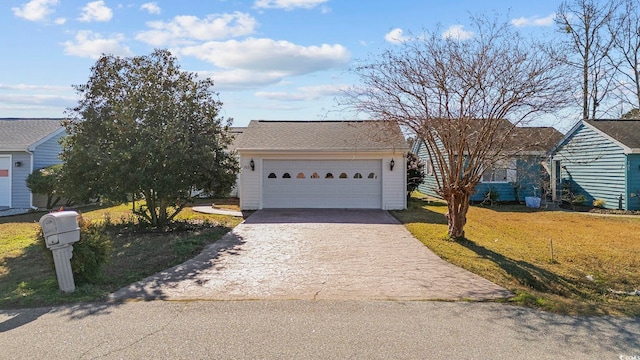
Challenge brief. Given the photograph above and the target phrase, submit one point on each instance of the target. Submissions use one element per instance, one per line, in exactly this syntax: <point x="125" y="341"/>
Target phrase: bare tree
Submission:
<point x="626" y="43"/>
<point x="455" y="93"/>
<point x="589" y="25"/>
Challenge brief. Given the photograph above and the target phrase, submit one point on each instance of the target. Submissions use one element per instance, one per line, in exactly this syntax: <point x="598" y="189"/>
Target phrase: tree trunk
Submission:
<point x="458" y="206"/>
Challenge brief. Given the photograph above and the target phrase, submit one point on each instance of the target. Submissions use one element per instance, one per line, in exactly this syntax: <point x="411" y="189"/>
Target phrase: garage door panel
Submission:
<point x="302" y="190"/>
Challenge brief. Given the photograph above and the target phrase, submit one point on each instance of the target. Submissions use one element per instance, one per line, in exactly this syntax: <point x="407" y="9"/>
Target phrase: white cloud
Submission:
<point x="60" y="21"/>
<point x="270" y="55"/>
<point x="257" y="62"/>
<point x="290" y="4"/>
<point x="533" y="21"/>
<point x="305" y="93"/>
<point x="37" y="100"/>
<point x="396" y="36"/>
<point x="96" y="11"/>
<point x="151" y="8"/>
<point x="240" y="79"/>
<point x="35" y="10"/>
<point x="34" y="87"/>
<point x="183" y="29"/>
<point x="457" y="32"/>
<point x="92" y="45"/>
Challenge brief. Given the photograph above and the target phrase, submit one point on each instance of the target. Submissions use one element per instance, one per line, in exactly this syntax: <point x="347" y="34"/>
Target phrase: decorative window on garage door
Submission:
<point x="272" y="176"/>
<point x="300" y="176"/>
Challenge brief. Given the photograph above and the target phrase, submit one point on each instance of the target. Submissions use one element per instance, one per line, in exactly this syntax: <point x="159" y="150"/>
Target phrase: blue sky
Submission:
<point x="269" y="59"/>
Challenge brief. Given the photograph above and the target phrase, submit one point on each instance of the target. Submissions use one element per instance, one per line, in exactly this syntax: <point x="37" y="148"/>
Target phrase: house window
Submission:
<point x="357" y="176"/>
<point x="328" y="176"/>
<point x="286" y="176"/>
<point x="503" y="171"/>
<point x="315" y="176"/>
<point x="300" y="176"/>
<point x="343" y="176"/>
<point x="429" y="168"/>
<point x="271" y="176"/>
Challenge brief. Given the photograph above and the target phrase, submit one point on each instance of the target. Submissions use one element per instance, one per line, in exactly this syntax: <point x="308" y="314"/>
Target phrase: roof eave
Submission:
<point x="350" y="150"/>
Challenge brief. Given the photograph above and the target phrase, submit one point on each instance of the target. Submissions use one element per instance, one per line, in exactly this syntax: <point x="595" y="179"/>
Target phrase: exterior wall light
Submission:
<point x="18" y="164"/>
<point x="252" y="164"/>
<point x="392" y="164"/>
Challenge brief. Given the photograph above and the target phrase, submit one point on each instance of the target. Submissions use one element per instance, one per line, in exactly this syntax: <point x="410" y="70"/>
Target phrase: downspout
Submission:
<point x="404" y="176"/>
<point x="30" y="172"/>
<point x="627" y="191"/>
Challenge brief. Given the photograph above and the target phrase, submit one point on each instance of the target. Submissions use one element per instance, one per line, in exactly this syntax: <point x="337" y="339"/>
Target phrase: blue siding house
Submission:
<point x="521" y="175"/>
<point x="600" y="159"/>
<point x="26" y="145"/>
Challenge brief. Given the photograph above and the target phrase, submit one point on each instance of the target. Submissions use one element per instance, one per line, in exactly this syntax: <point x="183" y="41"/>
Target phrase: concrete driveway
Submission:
<point x="315" y="254"/>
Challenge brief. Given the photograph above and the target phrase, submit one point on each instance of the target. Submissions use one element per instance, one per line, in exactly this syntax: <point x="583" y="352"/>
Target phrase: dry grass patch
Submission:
<point x="510" y="245"/>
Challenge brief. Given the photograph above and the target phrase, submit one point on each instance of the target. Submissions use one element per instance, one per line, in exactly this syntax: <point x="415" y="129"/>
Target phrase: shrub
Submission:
<point x="415" y="172"/>
<point x="90" y="254"/>
<point x="599" y="203"/>
<point x="579" y="199"/>
<point x="492" y="196"/>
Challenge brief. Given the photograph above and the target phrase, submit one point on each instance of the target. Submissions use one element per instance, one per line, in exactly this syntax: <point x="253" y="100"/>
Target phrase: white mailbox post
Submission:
<point x="60" y="231"/>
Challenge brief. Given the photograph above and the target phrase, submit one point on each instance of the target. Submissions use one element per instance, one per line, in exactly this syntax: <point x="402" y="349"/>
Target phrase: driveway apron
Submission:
<point x="315" y="254"/>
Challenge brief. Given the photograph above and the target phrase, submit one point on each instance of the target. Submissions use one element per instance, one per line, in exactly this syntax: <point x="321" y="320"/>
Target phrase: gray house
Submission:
<point x="600" y="159"/>
<point x="25" y="145"/>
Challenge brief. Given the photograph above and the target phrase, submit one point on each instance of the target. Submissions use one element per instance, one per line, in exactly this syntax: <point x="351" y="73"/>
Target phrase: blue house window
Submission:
<point x="501" y="172"/>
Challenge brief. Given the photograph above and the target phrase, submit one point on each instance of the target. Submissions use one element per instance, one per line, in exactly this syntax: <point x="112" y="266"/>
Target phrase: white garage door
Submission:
<point x="5" y="181"/>
<point x="353" y="184"/>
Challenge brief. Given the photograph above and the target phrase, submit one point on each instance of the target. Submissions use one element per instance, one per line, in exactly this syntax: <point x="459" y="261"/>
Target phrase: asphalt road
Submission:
<point x="311" y="330"/>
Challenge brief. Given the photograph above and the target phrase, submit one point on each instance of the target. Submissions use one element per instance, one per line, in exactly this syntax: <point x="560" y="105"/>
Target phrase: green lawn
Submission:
<point x="27" y="280"/>
<point x="511" y="246"/>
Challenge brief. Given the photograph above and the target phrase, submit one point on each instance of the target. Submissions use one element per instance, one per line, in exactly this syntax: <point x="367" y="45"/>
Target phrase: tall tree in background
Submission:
<point x="589" y="25"/>
<point x="454" y="94"/>
<point x="626" y="43"/>
<point x="143" y="127"/>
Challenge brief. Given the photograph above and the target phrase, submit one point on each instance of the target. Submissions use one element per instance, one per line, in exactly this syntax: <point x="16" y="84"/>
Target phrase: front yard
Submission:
<point x="27" y="280"/>
<point x="596" y="258"/>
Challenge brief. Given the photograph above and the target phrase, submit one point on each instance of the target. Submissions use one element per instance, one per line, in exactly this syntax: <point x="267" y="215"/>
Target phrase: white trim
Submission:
<point x="10" y="157"/>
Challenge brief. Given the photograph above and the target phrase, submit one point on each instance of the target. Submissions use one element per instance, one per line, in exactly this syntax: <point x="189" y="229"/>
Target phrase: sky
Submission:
<point x="269" y="59"/>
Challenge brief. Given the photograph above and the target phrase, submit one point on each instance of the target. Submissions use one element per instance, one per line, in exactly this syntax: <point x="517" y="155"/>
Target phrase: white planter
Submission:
<point x="532" y="202"/>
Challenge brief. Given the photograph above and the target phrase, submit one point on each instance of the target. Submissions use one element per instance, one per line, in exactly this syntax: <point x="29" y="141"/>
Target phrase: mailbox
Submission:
<point x="60" y="228"/>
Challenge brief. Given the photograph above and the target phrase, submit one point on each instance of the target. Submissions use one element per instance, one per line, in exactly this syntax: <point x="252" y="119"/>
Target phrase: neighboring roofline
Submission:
<point x="509" y="153"/>
<point x="46" y="138"/>
<point x="625" y="148"/>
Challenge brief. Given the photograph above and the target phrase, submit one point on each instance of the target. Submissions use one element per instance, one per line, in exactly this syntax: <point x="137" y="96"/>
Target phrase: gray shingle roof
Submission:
<point x="321" y="136"/>
<point x="536" y="138"/>
<point x="626" y="132"/>
<point x="19" y="134"/>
